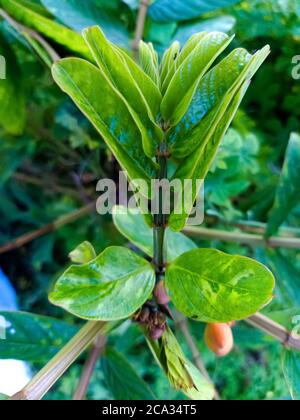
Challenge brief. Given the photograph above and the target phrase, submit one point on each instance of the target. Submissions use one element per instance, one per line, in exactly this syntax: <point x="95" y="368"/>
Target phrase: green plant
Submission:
<point x="175" y="112"/>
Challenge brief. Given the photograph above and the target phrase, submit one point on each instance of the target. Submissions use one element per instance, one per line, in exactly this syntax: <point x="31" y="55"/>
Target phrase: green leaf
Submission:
<point x="188" y="75"/>
<point x="218" y="24"/>
<point x="182" y="374"/>
<point x="148" y="58"/>
<point x="81" y="14"/>
<point x="132" y="225"/>
<point x="84" y="253"/>
<point x="291" y="370"/>
<point x="287" y="285"/>
<point x="169" y="10"/>
<point x="111" y="287"/>
<point x="222" y="80"/>
<point x="46" y="26"/>
<point x="210" y="286"/>
<point x="33" y="338"/>
<point x="196" y="167"/>
<point x="167" y="65"/>
<point x="288" y="191"/>
<point x="118" y="70"/>
<point x="3" y="397"/>
<point x="83" y="82"/>
<point x="12" y="95"/>
<point x="121" y="378"/>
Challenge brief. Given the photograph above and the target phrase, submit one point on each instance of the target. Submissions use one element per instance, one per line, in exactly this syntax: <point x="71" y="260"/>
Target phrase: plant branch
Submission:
<point x="89" y="367"/>
<point x="51" y="227"/>
<point x="183" y="326"/>
<point x="160" y="221"/>
<point x="243" y="238"/>
<point x="30" y="34"/>
<point x="140" y="25"/>
<point x="275" y="330"/>
<point x="51" y="373"/>
<point x="251" y="226"/>
<point x="39" y="182"/>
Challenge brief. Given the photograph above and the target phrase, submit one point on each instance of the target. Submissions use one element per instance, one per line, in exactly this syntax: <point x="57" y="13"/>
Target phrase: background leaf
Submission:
<point x="12" y="94"/>
<point x="121" y="378"/>
<point x="288" y="191"/>
<point x="81" y="14"/>
<point x="291" y="369"/>
<point x="33" y="338"/>
<point x="170" y="10"/>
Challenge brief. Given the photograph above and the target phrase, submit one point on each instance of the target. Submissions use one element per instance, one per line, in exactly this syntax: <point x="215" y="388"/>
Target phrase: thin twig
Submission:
<point x="51" y="227"/>
<point x="25" y="31"/>
<point x="89" y="368"/>
<point x="243" y="238"/>
<point x="275" y="330"/>
<point x="51" y="373"/>
<point x="39" y="182"/>
<point x="252" y="226"/>
<point x="182" y="324"/>
<point x="140" y="25"/>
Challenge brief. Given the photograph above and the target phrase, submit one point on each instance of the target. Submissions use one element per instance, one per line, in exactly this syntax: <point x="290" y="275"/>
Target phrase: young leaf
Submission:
<point x="111" y="287"/>
<point x="167" y="65"/>
<point x="220" y="81"/>
<point x="210" y="286"/>
<point x="170" y="10"/>
<point x="182" y="374"/>
<point x="132" y="225"/>
<point x="113" y="65"/>
<point x="84" y="82"/>
<point x="84" y="253"/>
<point x="121" y="378"/>
<point x="288" y="191"/>
<point x="51" y="29"/>
<point x="196" y="166"/>
<point x="291" y="370"/>
<point x="149" y="61"/>
<point x="33" y="338"/>
<point x="187" y="77"/>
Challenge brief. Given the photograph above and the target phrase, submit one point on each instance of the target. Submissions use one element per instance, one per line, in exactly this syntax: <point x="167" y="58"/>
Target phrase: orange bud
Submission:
<point x="219" y="339"/>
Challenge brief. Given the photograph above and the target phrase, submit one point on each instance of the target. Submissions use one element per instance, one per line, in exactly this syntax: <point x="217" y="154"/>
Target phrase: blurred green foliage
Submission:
<point x="51" y="159"/>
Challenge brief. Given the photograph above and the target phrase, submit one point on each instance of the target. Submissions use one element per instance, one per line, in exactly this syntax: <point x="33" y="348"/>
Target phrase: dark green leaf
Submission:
<point x="33" y="338"/>
<point x="169" y="10"/>
<point x="12" y="94"/>
<point x="291" y="369"/>
<point x="217" y="24"/>
<point x="81" y="14"/>
<point x="210" y="286"/>
<point x="111" y="287"/>
<point x="122" y="380"/>
<point x="288" y="191"/>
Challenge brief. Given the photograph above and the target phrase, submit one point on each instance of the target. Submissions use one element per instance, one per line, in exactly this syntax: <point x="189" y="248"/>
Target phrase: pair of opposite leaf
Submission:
<point x="186" y="101"/>
<point x="204" y="284"/>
